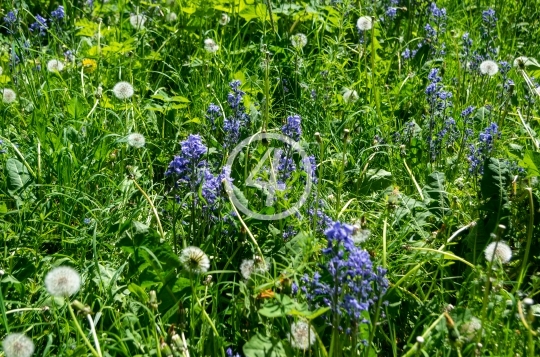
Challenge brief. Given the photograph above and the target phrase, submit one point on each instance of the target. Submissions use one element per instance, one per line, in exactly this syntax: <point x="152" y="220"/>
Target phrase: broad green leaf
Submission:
<point x="263" y="346"/>
<point x="531" y="161"/>
<point x="280" y="306"/>
<point x="17" y="176"/>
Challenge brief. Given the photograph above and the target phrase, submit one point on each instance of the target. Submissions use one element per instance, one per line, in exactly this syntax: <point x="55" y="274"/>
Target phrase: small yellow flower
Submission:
<point x="89" y="65"/>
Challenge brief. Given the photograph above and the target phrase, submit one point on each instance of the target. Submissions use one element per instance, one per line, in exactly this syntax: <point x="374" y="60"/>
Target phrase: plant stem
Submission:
<point x="79" y="329"/>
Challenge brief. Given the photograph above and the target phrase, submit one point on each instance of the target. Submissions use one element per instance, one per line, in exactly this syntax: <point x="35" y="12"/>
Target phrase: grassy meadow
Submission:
<point x="272" y="178"/>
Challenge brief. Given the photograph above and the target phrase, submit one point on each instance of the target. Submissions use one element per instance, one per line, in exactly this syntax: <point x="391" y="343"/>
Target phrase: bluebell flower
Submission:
<point x="190" y="158"/>
<point x="293" y="128"/>
<point x="58" y="14"/>
<point x="350" y="284"/>
<point x="239" y="117"/>
<point x="436" y="12"/>
<point x="10" y="20"/>
<point x="212" y="113"/>
<point x="40" y="25"/>
<point x="482" y="150"/>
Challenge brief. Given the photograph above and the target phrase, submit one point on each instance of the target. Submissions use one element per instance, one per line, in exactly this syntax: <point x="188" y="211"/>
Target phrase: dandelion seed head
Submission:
<point x="55" y="65"/>
<point x="246" y="268"/>
<point x="137" y="21"/>
<point x="194" y="260"/>
<point x="498" y="250"/>
<point x="469" y="329"/>
<point x="123" y="90"/>
<point x="299" y="40"/>
<point x="18" y="345"/>
<point x="171" y="17"/>
<point x="8" y="96"/>
<point x="62" y="281"/>
<point x="349" y="95"/>
<point x="210" y="46"/>
<point x="136" y="140"/>
<point x="489" y="67"/>
<point x="224" y="20"/>
<point x="302" y="336"/>
<point x="364" y="23"/>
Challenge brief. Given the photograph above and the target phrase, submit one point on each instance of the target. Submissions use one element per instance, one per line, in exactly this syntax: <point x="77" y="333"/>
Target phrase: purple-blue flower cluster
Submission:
<point x="40" y="25"/>
<point x="480" y="152"/>
<point x="293" y="127"/>
<point x="184" y="166"/>
<point x="349" y="284"/>
<point x="434" y="31"/>
<point x="58" y="14"/>
<point x="239" y="117"/>
<point x="212" y="113"/>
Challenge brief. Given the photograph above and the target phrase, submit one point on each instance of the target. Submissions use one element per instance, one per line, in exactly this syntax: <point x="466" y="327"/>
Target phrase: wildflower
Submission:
<point x="299" y="40"/>
<point x="224" y="20"/>
<point x="479" y="153"/>
<point x="194" y="260"/>
<point x="360" y="235"/>
<point x="62" y="281"/>
<point x="137" y="21"/>
<point x="210" y="46"/>
<point x="350" y="95"/>
<point x="350" y="285"/>
<point x="10" y="18"/>
<point x="211" y="187"/>
<point x="89" y="65"/>
<point x="8" y="96"/>
<point x="18" y="345"/>
<point x="212" y="113"/>
<point x="59" y="13"/>
<point x="40" y="25"/>
<point x="293" y="128"/>
<point x="246" y="268"/>
<point x="302" y="335"/>
<point x="232" y="124"/>
<point x="469" y="329"/>
<point x="189" y="159"/>
<point x="171" y="17"/>
<point x="489" y="67"/>
<point x="498" y="250"/>
<point x="55" y="65"/>
<point x="364" y="23"/>
<point x="136" y="140"/>
<point x="123" y="90"/>
<point x="391" y="12"/>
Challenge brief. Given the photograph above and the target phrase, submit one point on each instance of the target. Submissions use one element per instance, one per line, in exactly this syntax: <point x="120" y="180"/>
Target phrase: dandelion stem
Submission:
<point x="94" y="334"/>
<point x="79" y="329"/>
<point x="529" y="239"/>
<point x="154" y="210"/>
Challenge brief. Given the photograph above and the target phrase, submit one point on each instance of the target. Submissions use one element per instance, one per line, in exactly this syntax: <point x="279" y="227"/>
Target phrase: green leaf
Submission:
<point x="263" y="346"/>
<point x="438" y="202"/>
<point x="251" y="12"/>
<point x="531" y="161"/>
<point x="138" y="291"/>
<point x="17" y="176"/>
<point x="280" y="306"/>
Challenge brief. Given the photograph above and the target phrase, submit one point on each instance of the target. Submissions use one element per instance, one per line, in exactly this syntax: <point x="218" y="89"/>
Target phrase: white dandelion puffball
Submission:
<point x="137" y="21"/>
<point x="18" y="345"/>
<point x="246" y="268"/>
<point x="55" y="65"/>
<point x="349" y="95"/>
<point x="302" y="336"/>
<point x="498" y="250"/>
<point x="360" y="235"/>
<point x="210" y="45"/>
<point x="224" y="20"/>
<point x="469" y="329"/>
<point x="171" y="17"/>
<point x="489" y="67"/>
<point x="136" y="140"/>
<point x="299" y="40"/>
<point x="8" y="96"/>
<point x="62" y="281"/>
<point x="123" y="90"/>
<point x="364" y="23"/>
<point x="194" y="260"/>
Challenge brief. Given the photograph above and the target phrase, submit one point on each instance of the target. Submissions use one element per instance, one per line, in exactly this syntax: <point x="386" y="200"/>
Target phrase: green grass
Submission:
<point x="74" y="193"/>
